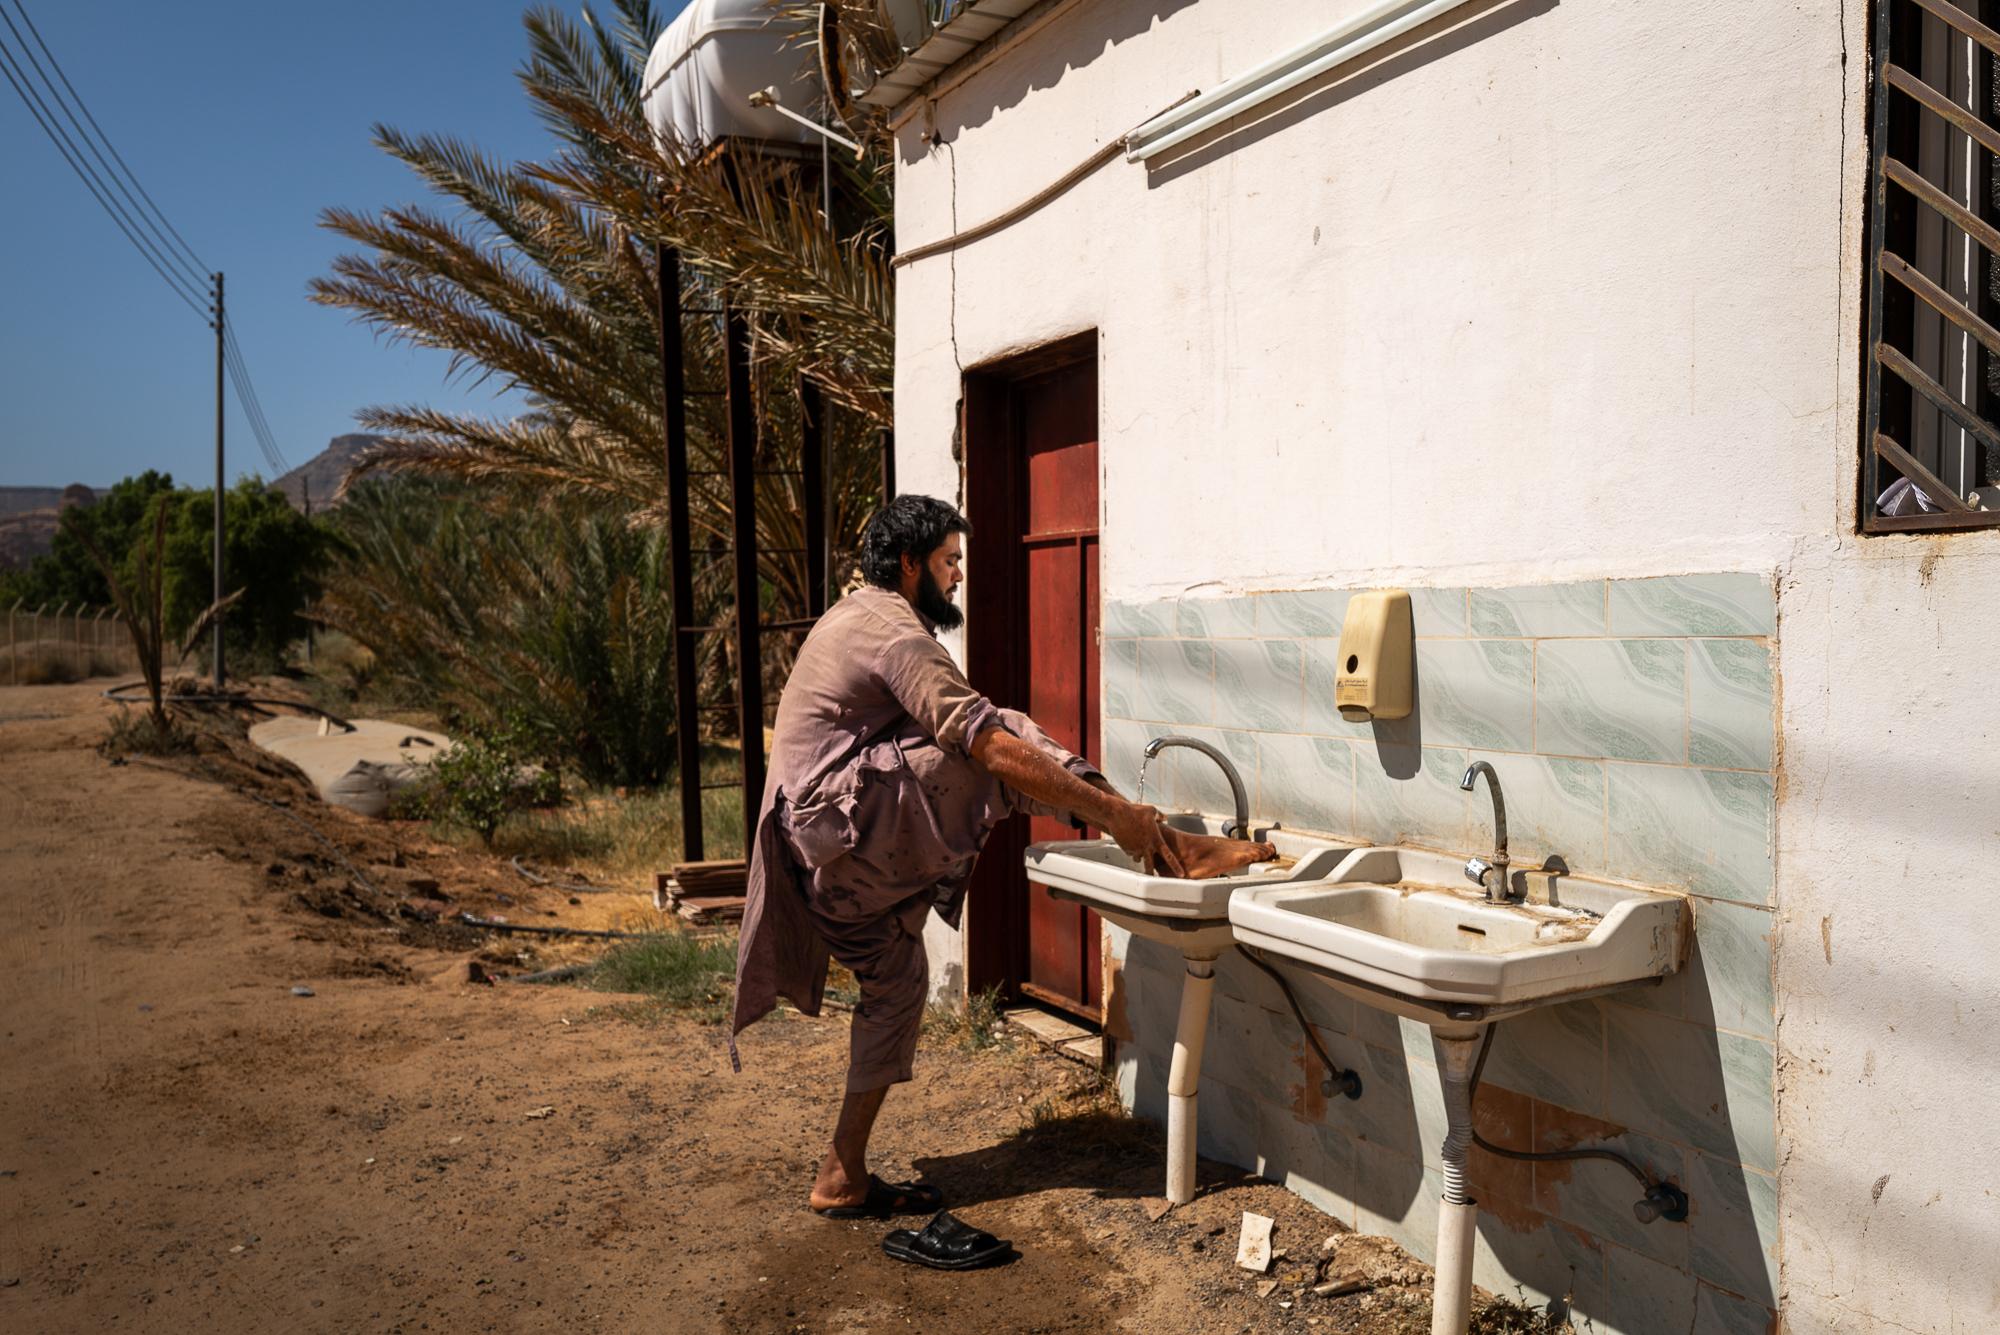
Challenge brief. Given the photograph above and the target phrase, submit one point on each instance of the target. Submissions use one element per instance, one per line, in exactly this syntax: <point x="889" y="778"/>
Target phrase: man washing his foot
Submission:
<point x="888" y="771"/>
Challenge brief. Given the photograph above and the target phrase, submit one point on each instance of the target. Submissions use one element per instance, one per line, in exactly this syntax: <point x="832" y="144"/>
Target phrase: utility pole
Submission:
<point x="220" y="328"/>
<point x="306" y="491"/>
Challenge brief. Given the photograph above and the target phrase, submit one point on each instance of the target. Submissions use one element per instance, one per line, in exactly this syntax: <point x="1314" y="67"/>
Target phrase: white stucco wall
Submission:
<point x="1576" y="297"/>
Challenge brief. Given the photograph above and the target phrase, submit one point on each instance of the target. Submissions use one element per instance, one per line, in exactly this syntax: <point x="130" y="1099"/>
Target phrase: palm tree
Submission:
<point x="541" y="277"/>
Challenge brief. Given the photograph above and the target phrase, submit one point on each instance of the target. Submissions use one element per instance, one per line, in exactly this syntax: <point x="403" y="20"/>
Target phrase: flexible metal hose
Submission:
<point x="1347" y="1082"/>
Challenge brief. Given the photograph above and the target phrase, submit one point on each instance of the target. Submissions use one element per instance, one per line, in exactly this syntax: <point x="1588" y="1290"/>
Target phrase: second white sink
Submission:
<point x="1394" y="928"/>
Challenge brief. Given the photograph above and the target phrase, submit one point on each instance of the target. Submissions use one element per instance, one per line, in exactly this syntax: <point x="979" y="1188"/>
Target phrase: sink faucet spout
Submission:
<point x="1491" y="876"/>
<point x="1238" y="828"/>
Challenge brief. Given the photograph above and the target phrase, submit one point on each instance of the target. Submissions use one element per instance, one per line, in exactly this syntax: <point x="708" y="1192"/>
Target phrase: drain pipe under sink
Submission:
<point x="1451" y="1290"/>
<point x="1184" y="1075"/>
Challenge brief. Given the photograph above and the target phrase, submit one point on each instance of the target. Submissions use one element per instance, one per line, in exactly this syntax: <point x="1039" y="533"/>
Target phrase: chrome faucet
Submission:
<point x="1490" y="876"/>
<point x="1238" y="828"/>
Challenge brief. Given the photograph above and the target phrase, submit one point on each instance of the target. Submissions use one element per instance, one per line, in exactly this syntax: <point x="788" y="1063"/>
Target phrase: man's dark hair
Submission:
<point x="907" y="526"/>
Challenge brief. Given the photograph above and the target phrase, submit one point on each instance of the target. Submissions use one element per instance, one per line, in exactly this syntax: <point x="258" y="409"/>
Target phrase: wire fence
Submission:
<point x="71" y="642"/>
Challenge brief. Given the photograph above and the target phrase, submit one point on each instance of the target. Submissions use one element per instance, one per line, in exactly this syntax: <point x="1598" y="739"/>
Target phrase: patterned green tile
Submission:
<point x="1119" y="668"/>
<point x="1693" y="605"/>
<point x="1191" y="781"/>
<point x="1542" y="611"/>
<point x="1313" y="1161"/>
<point x="1598" y="1196"/>
<point x="1438" y="612"/>
<point x="1681" y="1082"/>
<point x="1554" y="805"/>
<point x="1717" y="1313"/>
<point x="1138" y="618"/>
<point x="1643" y="1298"/>
<point x="1476" y="693"/>
<point x="1215" y="618"/>
<point x="1733" y="1227"/>
<point x="1726" y="982"/>
<point x="1623" y="699"/>
<point x="1730" y="717"/>
<point x="1306" y="783"/>
<point x="1259" y="685"/>
<point x="1406" y="794"/>
<point x="1706" y="830"/>
<point x="1176" y="682"/>
<point x="1123" y="744"/>
<point x="1554" y="1269"/>
<point x="1397" y="1198"/>
<point x="1307" y="614"/>
<point x="1555" y="1054"/>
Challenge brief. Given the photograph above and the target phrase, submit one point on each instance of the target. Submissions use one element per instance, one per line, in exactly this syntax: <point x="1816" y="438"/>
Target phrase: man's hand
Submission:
<point x="1138" y="830"/>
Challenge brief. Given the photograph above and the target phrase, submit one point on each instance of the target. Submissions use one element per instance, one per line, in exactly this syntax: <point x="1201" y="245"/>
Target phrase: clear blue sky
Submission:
<point x="243" y="120"/>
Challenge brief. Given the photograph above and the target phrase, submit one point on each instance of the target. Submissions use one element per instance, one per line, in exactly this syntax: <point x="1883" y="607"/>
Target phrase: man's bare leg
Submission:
<point x="843" y="1174"/>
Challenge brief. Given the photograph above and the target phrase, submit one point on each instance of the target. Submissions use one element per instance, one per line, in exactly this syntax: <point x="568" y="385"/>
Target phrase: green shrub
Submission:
<point x="478" y="782"/>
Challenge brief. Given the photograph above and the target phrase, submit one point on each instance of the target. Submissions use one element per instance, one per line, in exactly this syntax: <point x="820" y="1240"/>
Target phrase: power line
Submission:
<point x="186" y="249"/>
<point x="195" y="272"/>
<point x="183" y="272"/>
<point x="29" y="99"/>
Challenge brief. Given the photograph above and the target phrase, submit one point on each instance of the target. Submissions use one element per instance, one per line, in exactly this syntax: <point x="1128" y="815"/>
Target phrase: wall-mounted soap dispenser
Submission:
<point x="1377" y="672"/>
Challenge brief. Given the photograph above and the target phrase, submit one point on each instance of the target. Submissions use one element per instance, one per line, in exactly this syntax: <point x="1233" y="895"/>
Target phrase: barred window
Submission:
<point x="1931" y="434"/>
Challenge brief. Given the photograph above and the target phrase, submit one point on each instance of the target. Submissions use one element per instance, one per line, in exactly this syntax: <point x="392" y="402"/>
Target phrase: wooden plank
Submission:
<point x="1906" y="464"/>
<point x="1931" y="99"/>
<point x="1965" y="23"/>
<point x="1941" y="301"/>
<point x="1982" y="232"/>
<point x="1940" y="398"/>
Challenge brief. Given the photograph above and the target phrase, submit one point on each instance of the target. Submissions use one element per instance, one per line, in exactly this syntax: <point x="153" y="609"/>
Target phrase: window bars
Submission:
<point x="1931" y="436"/>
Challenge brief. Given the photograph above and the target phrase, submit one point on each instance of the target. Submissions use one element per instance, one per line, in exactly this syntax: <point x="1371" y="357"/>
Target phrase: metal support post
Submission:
<point x="812" y="467"/>
<point x="888" y="465"/>
<point x="680" y="546"/>
<point x="743" y="505"/>
<point x="220" y="328"/>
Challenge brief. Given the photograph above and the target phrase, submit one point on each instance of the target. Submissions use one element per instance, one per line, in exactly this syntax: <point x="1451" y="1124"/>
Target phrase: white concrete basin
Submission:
<point x="1401" y="929"/>
<point x="1191" y="917"/>
<point x="1181" y="913"/>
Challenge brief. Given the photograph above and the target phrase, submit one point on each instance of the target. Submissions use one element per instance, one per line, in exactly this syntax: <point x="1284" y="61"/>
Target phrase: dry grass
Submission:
<point x="49" y="664"/>
<point x="974" y="1027"/>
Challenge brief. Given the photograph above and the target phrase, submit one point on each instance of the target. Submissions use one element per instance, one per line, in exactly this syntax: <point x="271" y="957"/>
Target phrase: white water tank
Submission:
<point x="709" y="61"/>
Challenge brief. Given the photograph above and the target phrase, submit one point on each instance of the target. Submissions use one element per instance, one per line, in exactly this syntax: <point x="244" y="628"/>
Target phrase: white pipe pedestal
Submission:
<point x="1451" y="1291"/>
<point x="1184" y="1076"/>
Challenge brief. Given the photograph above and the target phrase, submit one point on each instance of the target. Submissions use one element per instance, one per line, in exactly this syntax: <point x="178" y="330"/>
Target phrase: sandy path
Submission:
<point x="184" y="1145"/>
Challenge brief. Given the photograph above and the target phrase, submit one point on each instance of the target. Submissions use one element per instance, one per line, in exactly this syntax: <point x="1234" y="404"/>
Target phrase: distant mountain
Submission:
<point x="320" y="476"/>
<point x="20" y="500"/>
<point x="28" y="519"/>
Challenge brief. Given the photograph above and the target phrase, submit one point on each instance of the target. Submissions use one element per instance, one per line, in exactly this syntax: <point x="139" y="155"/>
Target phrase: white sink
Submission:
<point x="1182" y="913"/>
<point x="1192" y="917"/>
<point x="1401" y="929"/>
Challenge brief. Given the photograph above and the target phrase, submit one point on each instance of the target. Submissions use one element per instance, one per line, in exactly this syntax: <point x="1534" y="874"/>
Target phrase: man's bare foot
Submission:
<point x="1204" y="856"/>
<point x="833" y="1188"/>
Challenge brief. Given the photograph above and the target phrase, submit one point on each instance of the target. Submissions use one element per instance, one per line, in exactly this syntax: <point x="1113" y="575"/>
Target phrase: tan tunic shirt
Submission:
<point x="871" y="763"/>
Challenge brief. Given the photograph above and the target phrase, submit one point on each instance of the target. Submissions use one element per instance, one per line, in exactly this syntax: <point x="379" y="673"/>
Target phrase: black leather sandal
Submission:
<point x="947" y="1244"/>
<point x="888" y="1198"/>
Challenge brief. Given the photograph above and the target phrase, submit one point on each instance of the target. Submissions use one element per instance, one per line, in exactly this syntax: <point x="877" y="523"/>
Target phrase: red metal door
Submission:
<point x="1056" y="414"/>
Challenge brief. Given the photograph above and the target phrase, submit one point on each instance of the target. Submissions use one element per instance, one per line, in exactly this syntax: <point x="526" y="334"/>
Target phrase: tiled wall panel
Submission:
<point x="1632" y="725"/>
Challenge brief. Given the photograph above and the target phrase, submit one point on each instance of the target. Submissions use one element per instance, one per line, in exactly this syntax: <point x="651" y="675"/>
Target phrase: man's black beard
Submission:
<point x="943" y="613"/>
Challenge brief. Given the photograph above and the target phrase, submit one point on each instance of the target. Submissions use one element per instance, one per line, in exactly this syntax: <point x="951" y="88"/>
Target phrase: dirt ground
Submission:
<point x="187" y="1145"/>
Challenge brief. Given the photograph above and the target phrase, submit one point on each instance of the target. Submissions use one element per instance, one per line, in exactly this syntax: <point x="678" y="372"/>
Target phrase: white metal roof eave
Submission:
<point x="1377" y="25"/>
<point x="944" y="48"/>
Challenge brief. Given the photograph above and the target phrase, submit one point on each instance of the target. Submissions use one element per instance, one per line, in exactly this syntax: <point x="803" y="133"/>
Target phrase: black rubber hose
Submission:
<point x="1347" y="1082"/>
<point x="1668" y="1199"/>
<point x="112" y="693"/>
<point x="530" y="929"/>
